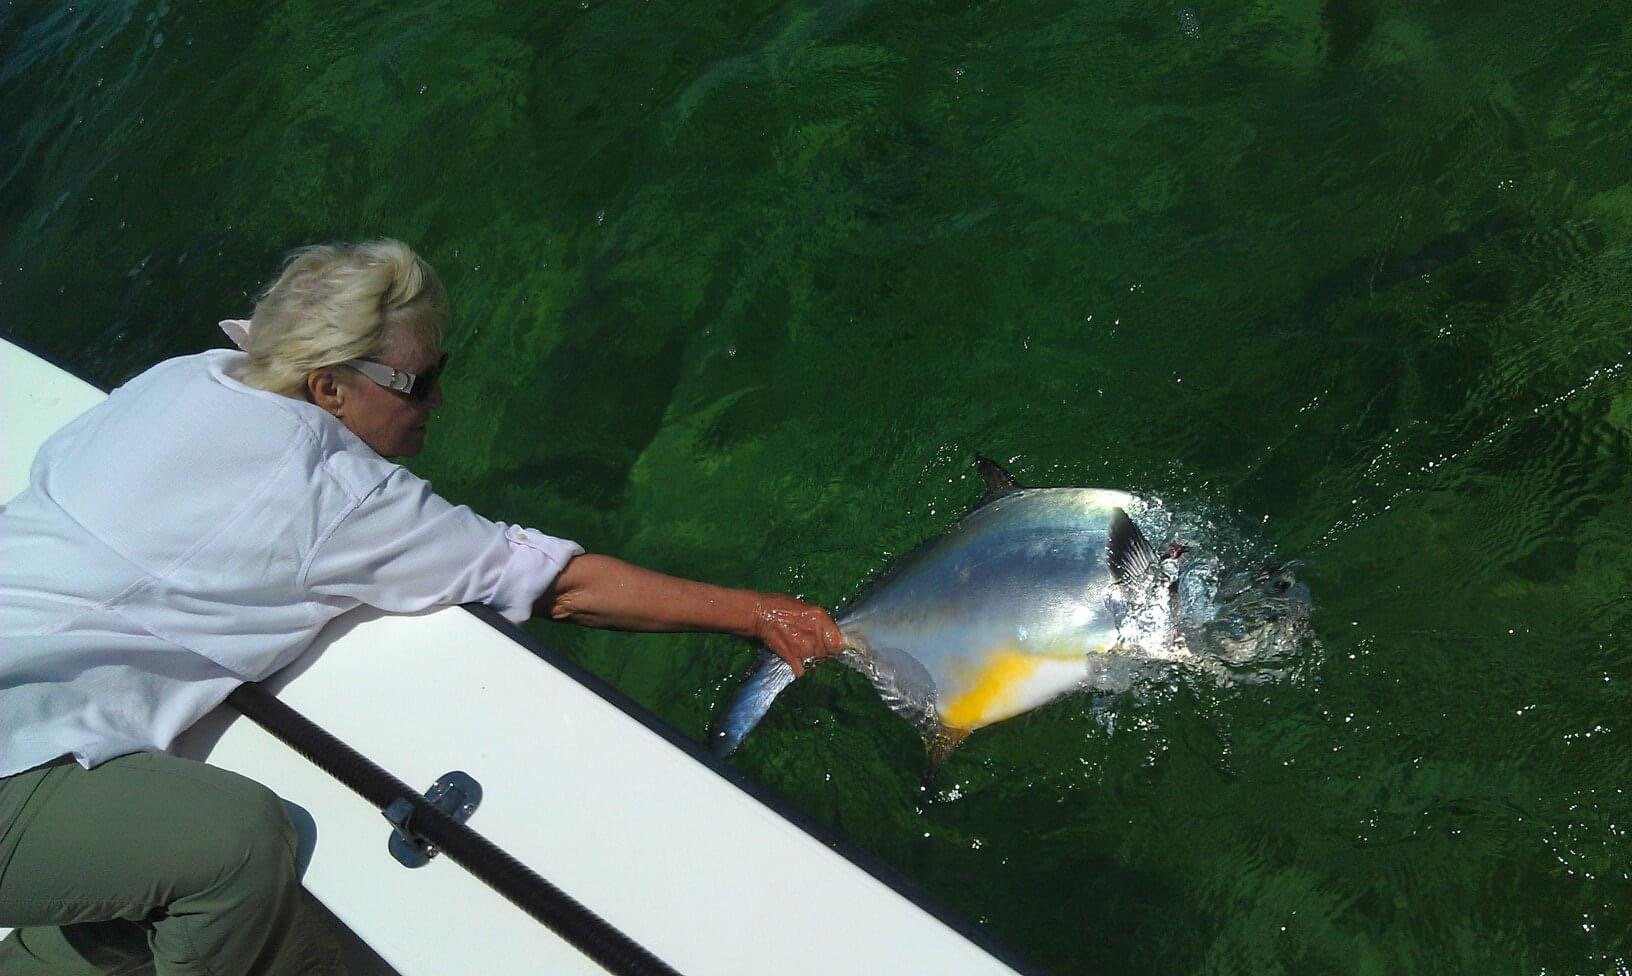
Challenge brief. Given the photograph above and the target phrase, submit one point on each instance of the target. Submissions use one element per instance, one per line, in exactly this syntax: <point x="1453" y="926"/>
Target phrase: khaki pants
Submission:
<point x="153" y="865"/>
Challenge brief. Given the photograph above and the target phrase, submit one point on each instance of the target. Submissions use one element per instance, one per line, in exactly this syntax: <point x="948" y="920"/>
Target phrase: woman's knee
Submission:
<point x="239" y="836"/>
<point x="259" y="839"/>
<point x="244" y="911"/>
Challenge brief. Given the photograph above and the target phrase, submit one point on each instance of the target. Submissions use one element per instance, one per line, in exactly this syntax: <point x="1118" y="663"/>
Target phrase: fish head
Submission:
<point x="1246" y="620"/>
<point x="1271" y="584"/>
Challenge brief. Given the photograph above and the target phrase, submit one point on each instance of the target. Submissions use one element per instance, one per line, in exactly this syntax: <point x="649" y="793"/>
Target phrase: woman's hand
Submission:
<point x="795" y="631"/>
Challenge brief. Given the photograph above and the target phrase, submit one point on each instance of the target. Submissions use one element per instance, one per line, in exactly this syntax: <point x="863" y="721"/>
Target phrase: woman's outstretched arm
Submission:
<point x="600" y="591"/>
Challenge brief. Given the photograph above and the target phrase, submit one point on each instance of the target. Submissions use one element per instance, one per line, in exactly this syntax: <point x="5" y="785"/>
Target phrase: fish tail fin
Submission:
<point x="750" y="704"/>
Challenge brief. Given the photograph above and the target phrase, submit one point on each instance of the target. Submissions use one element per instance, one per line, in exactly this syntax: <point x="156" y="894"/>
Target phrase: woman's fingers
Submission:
<point x="794" y="662"/>
<point x="832" y="637"/>
<point x="796" y="631"/>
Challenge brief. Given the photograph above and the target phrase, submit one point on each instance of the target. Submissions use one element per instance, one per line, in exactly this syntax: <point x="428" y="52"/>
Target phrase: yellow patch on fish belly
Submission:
<point x="989" y="694"/>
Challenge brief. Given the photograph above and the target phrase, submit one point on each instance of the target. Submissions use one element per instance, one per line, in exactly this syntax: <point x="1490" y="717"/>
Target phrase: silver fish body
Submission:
<point x="1001" y="614"/>
<point x="1011" y="608"/>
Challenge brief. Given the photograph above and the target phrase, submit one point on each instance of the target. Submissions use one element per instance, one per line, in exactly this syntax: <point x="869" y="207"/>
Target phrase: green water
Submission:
<point x="741" y="290"/>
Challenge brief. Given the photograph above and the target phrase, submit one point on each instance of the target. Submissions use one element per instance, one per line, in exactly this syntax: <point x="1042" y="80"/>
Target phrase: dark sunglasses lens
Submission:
<point x="426" y="381"/>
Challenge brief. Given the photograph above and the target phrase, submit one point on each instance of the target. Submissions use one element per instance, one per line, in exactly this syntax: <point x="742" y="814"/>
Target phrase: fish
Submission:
<point x="1037" y="593"/>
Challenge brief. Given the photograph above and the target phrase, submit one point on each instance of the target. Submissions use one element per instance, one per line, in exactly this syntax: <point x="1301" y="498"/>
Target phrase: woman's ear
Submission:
<point x="323" y="389"/>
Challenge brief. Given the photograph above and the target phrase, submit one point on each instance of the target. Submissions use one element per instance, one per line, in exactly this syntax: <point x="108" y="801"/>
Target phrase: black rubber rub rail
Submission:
<point x="592" y="935"/>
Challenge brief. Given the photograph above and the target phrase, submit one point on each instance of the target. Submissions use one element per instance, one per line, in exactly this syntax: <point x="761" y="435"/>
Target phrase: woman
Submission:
<point x="196" y="530"/>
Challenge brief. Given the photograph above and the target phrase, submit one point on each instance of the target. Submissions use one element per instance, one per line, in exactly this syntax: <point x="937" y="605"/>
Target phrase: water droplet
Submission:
<point x="1189" y="22"/>
<point x="422" y="88"/>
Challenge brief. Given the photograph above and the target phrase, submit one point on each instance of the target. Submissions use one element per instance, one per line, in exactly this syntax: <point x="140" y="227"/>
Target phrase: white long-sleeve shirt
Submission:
<point x="191" y="533"/>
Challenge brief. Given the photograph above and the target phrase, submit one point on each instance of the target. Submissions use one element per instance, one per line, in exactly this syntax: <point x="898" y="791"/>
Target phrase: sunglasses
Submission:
<point x="416" y="388"/>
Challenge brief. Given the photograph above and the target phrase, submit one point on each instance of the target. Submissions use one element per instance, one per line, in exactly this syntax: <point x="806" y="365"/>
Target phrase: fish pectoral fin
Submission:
<point x="941" y="745"/>
<point x="1127" y="553"/>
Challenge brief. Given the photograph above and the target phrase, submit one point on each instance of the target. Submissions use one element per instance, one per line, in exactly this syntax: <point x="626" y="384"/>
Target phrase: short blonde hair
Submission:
<point x="335" y="302"/>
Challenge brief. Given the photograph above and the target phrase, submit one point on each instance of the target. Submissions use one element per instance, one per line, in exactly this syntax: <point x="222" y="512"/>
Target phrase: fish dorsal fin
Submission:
<point x="998" y="482"/>
<point x="1129" y="555"/>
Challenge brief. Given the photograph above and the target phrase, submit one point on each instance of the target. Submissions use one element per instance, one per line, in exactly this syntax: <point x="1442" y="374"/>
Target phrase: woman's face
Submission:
<point x="392" y="423"/>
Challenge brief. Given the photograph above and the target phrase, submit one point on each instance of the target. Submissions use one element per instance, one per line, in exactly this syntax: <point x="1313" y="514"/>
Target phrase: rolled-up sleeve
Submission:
<point x="404" y="548"/>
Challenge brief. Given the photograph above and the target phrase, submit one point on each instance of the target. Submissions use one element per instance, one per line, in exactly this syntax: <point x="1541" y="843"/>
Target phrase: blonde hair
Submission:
<point x="335" y="302"/>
